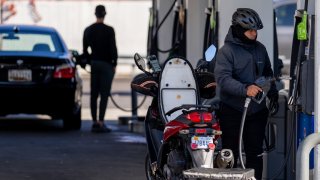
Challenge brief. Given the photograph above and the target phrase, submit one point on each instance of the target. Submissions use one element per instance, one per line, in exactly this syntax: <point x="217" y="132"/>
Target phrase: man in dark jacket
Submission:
<point x="239" y="63"/>
<point x="103" y="58"/>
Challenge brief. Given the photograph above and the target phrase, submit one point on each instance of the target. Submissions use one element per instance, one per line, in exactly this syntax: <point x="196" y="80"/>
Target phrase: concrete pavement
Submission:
<point x="112" y="114"/>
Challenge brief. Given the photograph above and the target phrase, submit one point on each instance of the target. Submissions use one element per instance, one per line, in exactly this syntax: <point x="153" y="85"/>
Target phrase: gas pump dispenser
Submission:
<point x="302" y="86"/>
<point x="211" y="24"/>
<point x="167" y="29"/>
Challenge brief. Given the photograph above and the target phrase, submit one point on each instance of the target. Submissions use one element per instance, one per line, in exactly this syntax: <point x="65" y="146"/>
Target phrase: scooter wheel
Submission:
<point x="148" y="169"/>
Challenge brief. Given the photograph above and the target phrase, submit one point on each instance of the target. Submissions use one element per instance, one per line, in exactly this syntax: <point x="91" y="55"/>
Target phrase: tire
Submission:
<point x="72" y="121"/>
<point x="148" y="169"/>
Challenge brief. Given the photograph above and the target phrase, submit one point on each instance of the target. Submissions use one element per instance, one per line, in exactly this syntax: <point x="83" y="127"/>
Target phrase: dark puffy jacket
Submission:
<point x="237" y="66"/>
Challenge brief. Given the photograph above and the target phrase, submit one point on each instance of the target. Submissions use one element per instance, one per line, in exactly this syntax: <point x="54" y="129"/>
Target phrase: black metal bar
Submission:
<point x="134" y="103"/>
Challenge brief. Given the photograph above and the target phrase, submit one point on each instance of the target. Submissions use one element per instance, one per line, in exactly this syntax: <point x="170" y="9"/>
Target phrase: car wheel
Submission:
<point x="72" y="121"/>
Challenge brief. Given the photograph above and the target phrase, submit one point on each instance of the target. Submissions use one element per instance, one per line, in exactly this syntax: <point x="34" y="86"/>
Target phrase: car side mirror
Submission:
<point x="210" y="53"/>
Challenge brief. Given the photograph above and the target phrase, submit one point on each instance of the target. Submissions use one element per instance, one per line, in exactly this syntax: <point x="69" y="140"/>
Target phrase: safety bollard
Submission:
<point x="302" y="162"/>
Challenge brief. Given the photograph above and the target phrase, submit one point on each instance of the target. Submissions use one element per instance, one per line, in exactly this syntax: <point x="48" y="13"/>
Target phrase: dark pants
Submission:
<point x="102" y="74"/>
<point x="253" y="135"/>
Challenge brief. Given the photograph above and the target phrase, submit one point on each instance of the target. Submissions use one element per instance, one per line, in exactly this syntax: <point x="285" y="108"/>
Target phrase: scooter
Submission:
<point x="181" y="133"/>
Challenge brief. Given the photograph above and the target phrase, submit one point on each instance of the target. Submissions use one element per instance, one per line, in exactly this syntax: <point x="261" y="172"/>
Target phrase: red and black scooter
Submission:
<point x="181" y="133"/>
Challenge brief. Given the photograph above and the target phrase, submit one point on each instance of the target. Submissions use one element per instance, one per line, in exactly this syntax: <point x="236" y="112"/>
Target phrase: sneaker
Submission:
<point x="95" y="127"/>
<point x="104" y="128"/>
<point x="100" y="128"/>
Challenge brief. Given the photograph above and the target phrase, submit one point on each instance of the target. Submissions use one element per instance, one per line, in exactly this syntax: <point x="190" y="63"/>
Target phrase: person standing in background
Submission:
<point x="100" y="38"/>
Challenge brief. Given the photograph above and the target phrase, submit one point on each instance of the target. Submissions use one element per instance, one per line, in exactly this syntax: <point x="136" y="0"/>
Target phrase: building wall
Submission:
<point x="69" y="17"/>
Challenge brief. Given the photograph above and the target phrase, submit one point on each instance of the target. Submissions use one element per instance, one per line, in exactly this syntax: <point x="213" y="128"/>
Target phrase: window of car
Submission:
<point x="285" y="14"/>
<point x="29" y="42"/>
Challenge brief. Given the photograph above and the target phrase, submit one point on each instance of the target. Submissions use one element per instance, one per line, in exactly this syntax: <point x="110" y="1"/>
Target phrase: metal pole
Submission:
<point x="1" y="11"/>
<point x="302" y="163"/>
<point x="134" y="104"/>
<point x="317" y="87"/>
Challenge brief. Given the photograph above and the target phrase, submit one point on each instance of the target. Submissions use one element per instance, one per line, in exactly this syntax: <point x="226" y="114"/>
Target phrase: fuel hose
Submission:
<point x="246" y="105"/>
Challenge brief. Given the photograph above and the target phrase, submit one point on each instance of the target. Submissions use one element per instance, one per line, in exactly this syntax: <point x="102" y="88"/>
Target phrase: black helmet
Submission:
<point x="247" y="18"/>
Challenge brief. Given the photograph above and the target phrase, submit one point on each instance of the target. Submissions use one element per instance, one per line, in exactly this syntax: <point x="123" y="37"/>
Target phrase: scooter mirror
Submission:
<point x="140" y="62"/>
<point x="210" y="53"/>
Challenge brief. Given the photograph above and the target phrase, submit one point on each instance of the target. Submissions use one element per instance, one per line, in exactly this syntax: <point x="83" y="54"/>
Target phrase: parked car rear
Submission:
<point x="38" y="75"/>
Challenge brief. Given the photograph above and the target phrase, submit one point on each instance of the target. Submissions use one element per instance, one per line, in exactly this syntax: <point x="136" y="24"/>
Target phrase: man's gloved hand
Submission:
<point x="273" y="103"/>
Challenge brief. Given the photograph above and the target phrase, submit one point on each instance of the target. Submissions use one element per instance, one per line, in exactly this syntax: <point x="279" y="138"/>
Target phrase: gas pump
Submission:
<point x="152" y="30"/>
<point x="295" y="119"/>
<point x="301" y="102"/>
<point x="175" y="17"/>
<point x="211" y="24"/>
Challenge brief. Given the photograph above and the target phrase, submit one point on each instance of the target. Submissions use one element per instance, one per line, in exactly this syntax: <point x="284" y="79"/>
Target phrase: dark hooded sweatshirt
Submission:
<point x="238" y="65"/>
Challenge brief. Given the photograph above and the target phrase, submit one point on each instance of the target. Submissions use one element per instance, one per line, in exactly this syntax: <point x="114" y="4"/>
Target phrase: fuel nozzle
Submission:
<point x="264" y="83"/>
<point x="259" y="97"/>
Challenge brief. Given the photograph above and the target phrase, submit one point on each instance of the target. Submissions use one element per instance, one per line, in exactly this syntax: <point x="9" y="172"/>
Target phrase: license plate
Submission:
<point x="201" y="141"/>
<point x="19" y="75"/>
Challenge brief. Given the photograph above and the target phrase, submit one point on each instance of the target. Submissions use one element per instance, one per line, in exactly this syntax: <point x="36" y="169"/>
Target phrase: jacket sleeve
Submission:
<point x="85" y="44"/>
<point x="268" y="72"/>
<point x="223" y="73"/>
<point x="114" y="49"/>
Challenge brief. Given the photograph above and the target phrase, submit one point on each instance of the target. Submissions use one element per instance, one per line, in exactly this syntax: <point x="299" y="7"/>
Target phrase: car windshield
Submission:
<point x="29" y="42"/>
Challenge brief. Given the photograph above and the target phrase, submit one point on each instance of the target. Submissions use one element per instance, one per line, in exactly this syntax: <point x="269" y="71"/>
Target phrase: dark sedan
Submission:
<point x="38" y="75"/>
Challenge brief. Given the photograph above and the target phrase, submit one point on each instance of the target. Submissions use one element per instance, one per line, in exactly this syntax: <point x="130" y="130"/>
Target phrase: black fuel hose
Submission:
<point x="128" y="110"/>
<point x="158" y="28"/>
